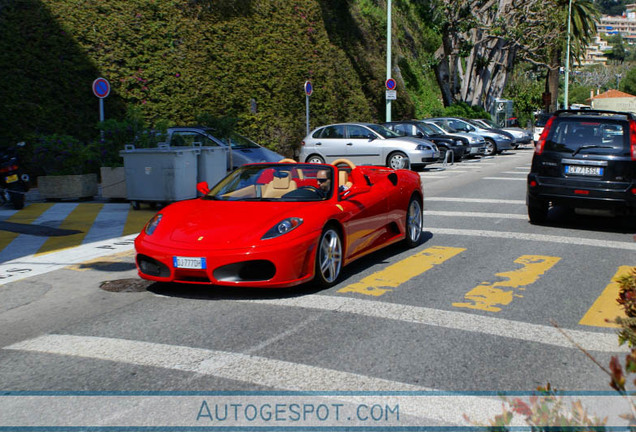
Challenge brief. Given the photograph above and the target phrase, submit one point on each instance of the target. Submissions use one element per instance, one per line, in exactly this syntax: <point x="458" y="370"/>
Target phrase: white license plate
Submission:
<point x="189" y="262"/>
<point x="584" y="170"/>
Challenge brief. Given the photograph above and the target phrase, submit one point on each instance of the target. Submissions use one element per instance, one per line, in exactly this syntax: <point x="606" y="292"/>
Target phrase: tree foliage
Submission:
<point x="484" y="39"/>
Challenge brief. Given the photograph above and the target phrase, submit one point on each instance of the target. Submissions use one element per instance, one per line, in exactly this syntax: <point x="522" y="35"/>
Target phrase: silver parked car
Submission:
<point x="520" y="135"/>
<point x="496" y="141"/>
<point x="367" y="144"/>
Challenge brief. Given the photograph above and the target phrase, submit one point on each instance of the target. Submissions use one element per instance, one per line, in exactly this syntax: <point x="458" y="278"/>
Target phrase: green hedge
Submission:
<point x="175" y="61"/>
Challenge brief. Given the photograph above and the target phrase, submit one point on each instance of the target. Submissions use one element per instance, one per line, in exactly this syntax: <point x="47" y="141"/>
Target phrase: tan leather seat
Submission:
<point x="279" y="186"/>
<point x="343" y="180"/>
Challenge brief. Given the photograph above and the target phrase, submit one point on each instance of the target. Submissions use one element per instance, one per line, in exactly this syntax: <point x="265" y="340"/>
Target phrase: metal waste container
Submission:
<point x="160" y="175"/>
<point x="212" y="164"/>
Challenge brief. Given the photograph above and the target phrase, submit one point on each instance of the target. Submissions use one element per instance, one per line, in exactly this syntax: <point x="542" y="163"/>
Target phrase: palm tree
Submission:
<point x="584" y="17"/>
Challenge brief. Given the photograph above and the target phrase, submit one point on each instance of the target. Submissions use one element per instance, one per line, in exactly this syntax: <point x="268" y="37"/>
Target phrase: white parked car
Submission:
<point x="367" y="144"/>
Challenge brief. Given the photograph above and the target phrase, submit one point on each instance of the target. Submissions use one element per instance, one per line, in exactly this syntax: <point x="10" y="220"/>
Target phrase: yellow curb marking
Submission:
<point x="396" y="274"/>
<point x="605" y="306"/>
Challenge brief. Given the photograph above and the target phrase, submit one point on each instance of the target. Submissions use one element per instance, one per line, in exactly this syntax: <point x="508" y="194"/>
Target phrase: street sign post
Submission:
<point x="391" y="95"/>
<point x="309" y="89"/>
<point x="101" y="89"/>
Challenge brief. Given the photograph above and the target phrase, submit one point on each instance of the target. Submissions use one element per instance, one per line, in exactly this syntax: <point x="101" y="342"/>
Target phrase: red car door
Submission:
<point x="366" y="223"/>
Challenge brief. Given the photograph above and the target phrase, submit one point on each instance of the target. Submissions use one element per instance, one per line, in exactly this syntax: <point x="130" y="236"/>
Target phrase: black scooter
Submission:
<point x="14" y="183"/>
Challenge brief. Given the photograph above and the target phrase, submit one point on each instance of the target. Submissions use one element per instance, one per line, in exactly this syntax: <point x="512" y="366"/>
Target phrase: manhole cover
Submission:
<point x="126" y="285"/>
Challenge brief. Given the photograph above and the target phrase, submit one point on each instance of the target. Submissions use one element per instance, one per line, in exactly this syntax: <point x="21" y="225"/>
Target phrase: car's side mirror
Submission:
<point x="203" y="187"/>
<point x="419" y="135"/>
<point x="371" y="137"/>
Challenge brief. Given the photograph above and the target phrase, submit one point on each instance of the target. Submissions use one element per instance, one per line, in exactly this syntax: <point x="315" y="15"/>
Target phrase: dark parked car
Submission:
<point x="422" y="130"/>
<point x="584" y="159"/>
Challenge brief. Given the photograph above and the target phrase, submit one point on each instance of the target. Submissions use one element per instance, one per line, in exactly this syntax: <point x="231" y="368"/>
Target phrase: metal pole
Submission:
<point x="101" y="115"/>
<point x="388" y="56"/>
<point x="307" y="111"/>
<point x="566" y="105"/>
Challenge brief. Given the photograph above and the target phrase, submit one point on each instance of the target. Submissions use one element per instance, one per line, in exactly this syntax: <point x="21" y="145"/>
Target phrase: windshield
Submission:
<point x="444" y="125"/>
<point x="428" y="129"/>
<point x="435" y="128"/>
<point x="275" y="182"/>
<point x="383" y="131"/>
<point x="237" y="141"/>
<point x="490" y="123"/>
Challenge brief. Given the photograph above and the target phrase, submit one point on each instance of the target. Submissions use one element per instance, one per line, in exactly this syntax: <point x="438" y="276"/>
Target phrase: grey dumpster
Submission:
<point x="212" y="164"/>
<point x="160" y="175"/>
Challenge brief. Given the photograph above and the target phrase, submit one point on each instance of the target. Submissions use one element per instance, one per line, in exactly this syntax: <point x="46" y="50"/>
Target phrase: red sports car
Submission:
<point x="281" y="224"/>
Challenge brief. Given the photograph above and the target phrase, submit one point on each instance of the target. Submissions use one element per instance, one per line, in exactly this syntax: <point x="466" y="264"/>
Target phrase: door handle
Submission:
<point x="350" y="144"/>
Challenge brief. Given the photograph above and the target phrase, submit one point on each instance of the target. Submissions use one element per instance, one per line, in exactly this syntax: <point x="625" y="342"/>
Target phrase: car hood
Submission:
<point x="223" y="224"/>
<point x="516" y="131"/>
<point x="408" y="140"/>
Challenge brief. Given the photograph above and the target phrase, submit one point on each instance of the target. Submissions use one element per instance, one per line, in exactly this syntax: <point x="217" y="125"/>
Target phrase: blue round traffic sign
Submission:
<point x="101" y="88"/>
<point x="309" y="89"/>
<point x="390" y="84"/>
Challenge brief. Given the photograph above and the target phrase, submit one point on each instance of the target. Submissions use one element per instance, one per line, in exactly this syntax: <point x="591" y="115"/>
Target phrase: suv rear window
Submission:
<point x="592" y="136"/>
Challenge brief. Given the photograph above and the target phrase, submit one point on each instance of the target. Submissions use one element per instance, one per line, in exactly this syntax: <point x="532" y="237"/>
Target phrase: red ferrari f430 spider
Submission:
<point x="281" y="224"/>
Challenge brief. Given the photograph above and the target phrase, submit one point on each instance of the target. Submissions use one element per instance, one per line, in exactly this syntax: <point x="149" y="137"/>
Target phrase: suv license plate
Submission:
<point x="189" y="262"/>
<point x="11" y="179"/>
<point x="584" y="170"/>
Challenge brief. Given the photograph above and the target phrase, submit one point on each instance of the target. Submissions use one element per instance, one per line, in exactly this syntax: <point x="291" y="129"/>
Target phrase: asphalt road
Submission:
<point x="474" y="308"/>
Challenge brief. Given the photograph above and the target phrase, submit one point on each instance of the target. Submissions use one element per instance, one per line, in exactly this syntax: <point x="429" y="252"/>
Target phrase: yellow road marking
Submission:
<point x="489" y="296"/>
<point x="383" y="281"/>
<point x="137" y="219"/>
<point x="605" y="306"/>
<point x="27" y="216"/>
<point x="81" y="219"/>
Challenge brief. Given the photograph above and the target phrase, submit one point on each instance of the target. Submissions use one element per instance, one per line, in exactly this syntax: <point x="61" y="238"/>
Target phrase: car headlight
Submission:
<point x="282" y="227"/>
<point x="151" y="226"/>
<point x="423" y="147"/>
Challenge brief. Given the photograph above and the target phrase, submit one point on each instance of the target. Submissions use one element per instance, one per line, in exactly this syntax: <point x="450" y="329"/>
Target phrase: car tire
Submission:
<point x="413" y="227"/>
<point x="491" y="148"/>
<point x="315" y="159"/>
<point x="398" y="160"/>
<point x="537" y="211"/>
<point x="328" y="257"/>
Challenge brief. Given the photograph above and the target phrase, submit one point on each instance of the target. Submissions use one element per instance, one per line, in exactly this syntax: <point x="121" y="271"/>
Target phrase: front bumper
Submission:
<point x="420" y="157"/>
<point x="275" y="265"/>
<point x="503" y="144"/>
<point x="477" y="149"/>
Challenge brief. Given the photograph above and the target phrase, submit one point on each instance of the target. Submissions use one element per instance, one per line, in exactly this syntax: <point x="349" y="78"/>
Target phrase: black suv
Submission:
<point x="584" y="159"/>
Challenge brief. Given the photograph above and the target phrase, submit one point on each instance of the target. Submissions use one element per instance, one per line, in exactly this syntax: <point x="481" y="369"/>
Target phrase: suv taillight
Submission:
<point x="632" y="138"/>
<point x="538" y="149"/>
